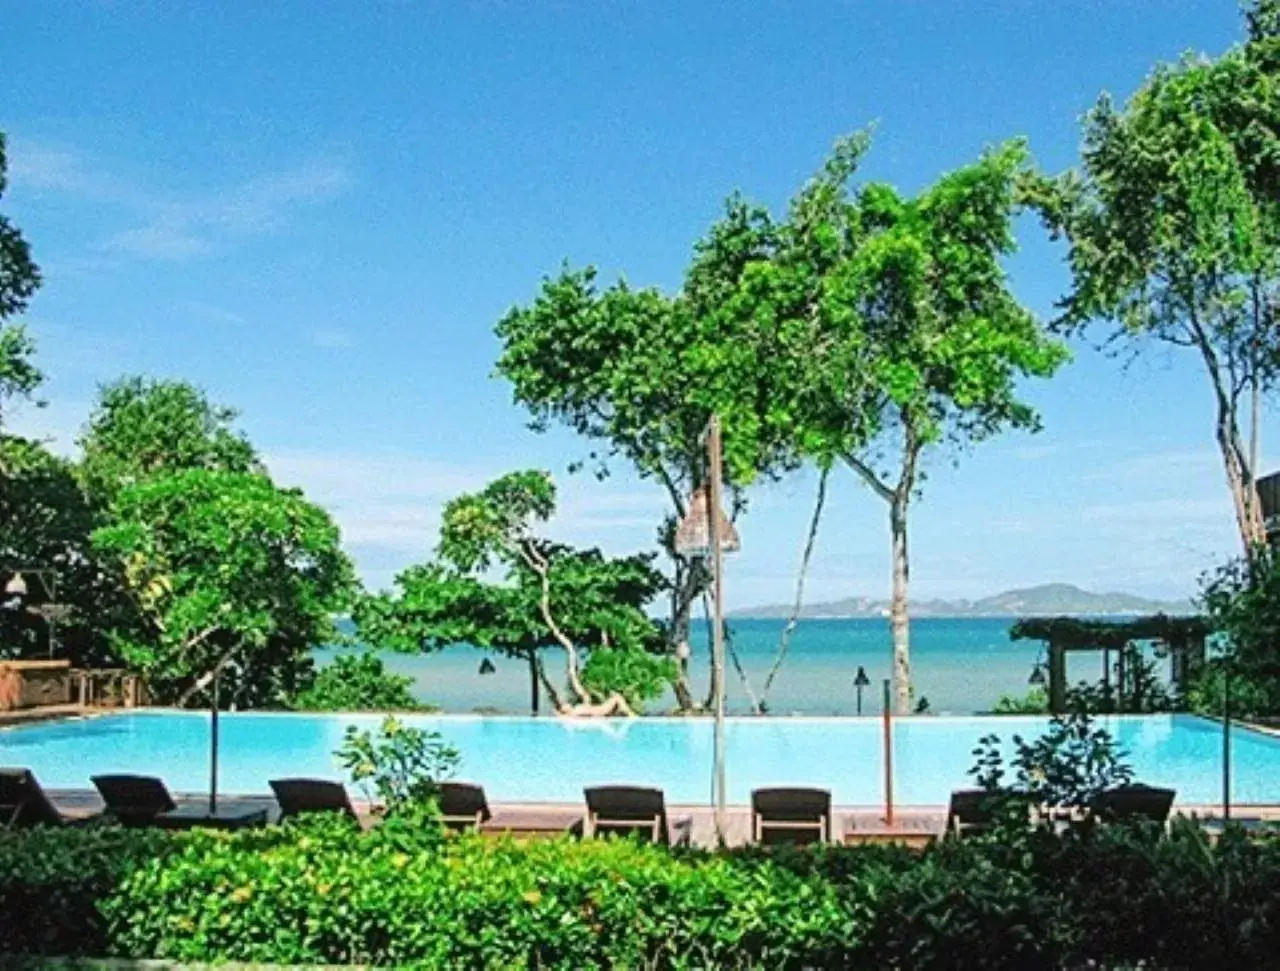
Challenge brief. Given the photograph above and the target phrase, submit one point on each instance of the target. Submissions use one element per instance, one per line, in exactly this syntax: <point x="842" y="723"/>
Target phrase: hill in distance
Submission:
<point x="1048" y="599"/>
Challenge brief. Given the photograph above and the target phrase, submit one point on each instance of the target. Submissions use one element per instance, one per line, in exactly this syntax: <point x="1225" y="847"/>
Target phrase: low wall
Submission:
<point x="34" y="684"/>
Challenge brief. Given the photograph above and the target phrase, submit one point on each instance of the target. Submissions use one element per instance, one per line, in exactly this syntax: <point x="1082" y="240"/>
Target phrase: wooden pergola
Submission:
<point x="1182" y="638"/>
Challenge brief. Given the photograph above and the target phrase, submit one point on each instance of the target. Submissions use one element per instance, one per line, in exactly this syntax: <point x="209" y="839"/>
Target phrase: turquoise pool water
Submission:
<point x="550" y="760"/>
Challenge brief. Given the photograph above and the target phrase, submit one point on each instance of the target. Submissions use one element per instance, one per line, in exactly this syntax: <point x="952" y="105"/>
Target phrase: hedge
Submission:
<point x="405" y="895"/>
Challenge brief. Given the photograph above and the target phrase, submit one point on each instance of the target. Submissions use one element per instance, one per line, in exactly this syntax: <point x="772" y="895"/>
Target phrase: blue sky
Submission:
<point x="318" y="213"/>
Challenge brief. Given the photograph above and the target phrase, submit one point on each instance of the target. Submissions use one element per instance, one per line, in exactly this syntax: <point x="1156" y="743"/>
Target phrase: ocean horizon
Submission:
<point x="960" y="665"/>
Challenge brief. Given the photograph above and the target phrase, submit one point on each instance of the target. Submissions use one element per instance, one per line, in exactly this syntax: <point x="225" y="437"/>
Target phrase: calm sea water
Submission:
<point x="960" y="665"/>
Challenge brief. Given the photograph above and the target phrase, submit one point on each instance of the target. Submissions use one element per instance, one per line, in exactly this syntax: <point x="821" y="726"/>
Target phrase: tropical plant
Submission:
<point x="1034" y="702"/>
<point x="19" y="280"/>
<point x="358" y="682"/>
<point x="400" y="766"/>
<point x="1173" y="225"/>
<point x="550" y="597"/>
<point x="1241" y="601"/>
<point x="230" y="575"/>
<point x="142" y="428"/>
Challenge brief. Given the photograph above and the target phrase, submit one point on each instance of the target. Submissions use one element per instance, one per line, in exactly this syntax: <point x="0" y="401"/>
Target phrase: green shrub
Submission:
<point x="320" y="890"/>
<point x="358" y="682"/>
<point x="1034" y="702"/>
<point x="51" y="880"/>
<point x="633" y="673"/>
<point x="400" y="765"/>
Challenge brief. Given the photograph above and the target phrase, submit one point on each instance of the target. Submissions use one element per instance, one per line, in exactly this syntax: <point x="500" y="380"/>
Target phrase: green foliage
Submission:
<point x="19" y="280"/>
<point x="322" y="891"/>
<point x="635" y="674"/>
<point x="1174" y="227"/>
<point x="52" y="879"/>
<point x="1207" y="694"/>
<point x="1242" y="603"/>
<point x="229" y="573"/>
<point x="546" y="596"/>
<point x="1070" y="766"/>
<point x="402" y="766"/>
<point x="1034" y="702"/>
<point x="143" y="428"/>
<point x="358" y="682"/>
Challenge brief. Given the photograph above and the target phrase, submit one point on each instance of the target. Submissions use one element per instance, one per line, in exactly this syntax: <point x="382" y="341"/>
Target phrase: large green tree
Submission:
<point x="230" y="575"/>
<point x="1173" y="224"/>
<point x="497" y="585"/>
<point x="640" y="373"/>
<point x="902" y="334"/>
<point x="142" y="427"/>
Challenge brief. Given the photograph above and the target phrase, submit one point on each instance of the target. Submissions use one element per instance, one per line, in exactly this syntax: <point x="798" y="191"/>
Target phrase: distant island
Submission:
<point x="1048" y="599"/>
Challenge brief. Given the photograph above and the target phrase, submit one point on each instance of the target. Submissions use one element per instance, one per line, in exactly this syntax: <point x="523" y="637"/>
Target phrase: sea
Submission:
<point x="959" y="666"/>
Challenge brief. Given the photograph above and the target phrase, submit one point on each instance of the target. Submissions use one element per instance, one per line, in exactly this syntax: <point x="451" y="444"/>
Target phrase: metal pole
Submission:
<point x="717" y="644"/>
<point x="213" y="749"/>
<point x="1226" y="740"/>
<point x="53" y="615"/>
<point x="888" y="756"/>
<point x="859" y="689"/>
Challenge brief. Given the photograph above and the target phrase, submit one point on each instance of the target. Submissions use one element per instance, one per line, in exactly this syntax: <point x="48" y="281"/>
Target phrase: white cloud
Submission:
<point x="163" y="226"/>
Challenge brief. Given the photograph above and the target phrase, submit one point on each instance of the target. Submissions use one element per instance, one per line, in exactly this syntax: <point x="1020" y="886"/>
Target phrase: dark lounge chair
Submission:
<point x="134" y="800"/>
<point x="1136" y="801"/>
<point x="143" y="800"/>
<point x="629" y="811"/>
<point x="24" y="803"/>
<point x="791" y="816"/>
<point x="297" y="796"/>
<point x="972" y="811"/>
<point x="463" y="805"/>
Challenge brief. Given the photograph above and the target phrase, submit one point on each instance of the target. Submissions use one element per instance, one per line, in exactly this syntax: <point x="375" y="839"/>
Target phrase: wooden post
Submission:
<point x="717" y="579"/>
<point x="888" y="755"/>
<point x="533" y="682"/>
<point x="1226" y="741"/>
<point x="1057" y="678"/>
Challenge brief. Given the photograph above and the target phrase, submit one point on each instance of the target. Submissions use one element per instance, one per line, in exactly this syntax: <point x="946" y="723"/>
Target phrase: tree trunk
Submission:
<point x="553" y="695"/>
<point x="682" y="598"/>
<point x="533" y="682"/>
<point x="899" y="621"/>
<point x="206" y="679"/>
<point x="784" y="640"/>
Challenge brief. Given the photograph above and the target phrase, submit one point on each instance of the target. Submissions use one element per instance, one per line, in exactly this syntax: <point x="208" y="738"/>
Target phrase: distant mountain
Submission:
<point x="1048" y="599"/>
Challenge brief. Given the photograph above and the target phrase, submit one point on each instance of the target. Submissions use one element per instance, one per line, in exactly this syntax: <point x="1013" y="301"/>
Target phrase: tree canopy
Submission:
<point x="144" y="427"/>
<point x="498" y="585"/>
<point x="230" y="574"/>
<point x="1173" y="226"/>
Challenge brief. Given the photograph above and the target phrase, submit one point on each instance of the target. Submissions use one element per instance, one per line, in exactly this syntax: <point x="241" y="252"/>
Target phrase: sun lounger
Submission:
<point x="297" y="796"/>
<point x="142" y="800"/>
<point x="24" y="803"/>
<point x="791" y="816"/>
<point x="1136" y="801"/>
<point x="134" y="799"/>
<point x="463" y="805"/>
<point x="630" y="811"/>
<point x="972" y="811"/>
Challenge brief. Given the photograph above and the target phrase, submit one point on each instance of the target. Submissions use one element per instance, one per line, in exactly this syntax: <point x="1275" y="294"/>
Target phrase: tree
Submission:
<point x="641" y="373"/>
<point x="230" y="575"/>
<point x="19" y="280"/>
<point x="586" y="605"/>
<point x="358" y="682"/>
<point x="903" y="330"/>
<point x="1173" y="226"/>
<point x="142" y="428"/>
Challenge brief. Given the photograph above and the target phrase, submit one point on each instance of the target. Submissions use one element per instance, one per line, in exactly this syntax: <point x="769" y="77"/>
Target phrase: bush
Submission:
<point x="1034" y="702"/>
<point x="358" y="682"/>
<point x="399" y="767"/>
<point x="321" y="891"/>
<point x="52" y="879"/>
<point x="633" y="673"/>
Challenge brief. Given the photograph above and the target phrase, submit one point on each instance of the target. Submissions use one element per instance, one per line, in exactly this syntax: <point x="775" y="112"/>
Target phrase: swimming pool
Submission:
<point x="528" y="759"/>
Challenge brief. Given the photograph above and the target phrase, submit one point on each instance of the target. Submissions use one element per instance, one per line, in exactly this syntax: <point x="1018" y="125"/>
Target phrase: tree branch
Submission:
<point x="868" y="476"/>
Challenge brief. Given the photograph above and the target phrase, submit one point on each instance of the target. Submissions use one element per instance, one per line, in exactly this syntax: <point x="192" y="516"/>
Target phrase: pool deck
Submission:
<point x="913" y="826"/>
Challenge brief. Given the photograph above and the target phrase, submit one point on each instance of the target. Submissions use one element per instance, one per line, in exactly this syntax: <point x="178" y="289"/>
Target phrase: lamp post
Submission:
<point x="860" y="681"/>
<point x="17" y="587"/>
<point x="704" y="532"/>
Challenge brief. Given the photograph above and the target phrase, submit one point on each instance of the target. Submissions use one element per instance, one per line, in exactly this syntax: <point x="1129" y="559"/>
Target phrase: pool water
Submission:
<point x="548" y="760"/>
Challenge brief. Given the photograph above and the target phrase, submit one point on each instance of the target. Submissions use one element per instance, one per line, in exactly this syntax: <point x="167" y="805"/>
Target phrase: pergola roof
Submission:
<point x="1075" y="633"/>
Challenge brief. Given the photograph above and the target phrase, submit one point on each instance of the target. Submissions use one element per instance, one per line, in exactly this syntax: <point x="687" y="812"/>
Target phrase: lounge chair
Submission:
<point x="134" y="799"/>
<point x="143" y="800"/>
<point x="791" y="816"/>
<point x="297" y="796"/>
<point x="1136" y="801"/>
<point x="971" y="811"/>
<point x="463" y="805"/>
<point x="24" y="803"/>
<point x="629" y="811"/>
